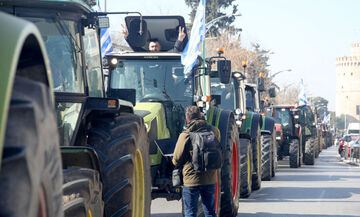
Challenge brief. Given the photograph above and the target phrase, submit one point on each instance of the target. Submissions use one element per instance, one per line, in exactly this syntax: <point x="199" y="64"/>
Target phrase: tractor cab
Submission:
<point x="155" y="84"/>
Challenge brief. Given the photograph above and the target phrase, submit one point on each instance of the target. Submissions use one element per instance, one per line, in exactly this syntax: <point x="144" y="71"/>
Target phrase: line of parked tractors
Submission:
<point x="108" y="153"/>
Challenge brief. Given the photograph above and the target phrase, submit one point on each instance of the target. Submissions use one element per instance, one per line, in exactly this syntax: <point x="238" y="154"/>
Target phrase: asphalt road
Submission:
<point x="330" y="188"/>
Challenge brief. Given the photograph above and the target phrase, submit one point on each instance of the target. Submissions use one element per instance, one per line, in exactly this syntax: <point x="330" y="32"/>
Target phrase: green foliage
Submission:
<point x="321" y="105"/>
<point x="214" y="9"/>
<point x="259" y="64"/>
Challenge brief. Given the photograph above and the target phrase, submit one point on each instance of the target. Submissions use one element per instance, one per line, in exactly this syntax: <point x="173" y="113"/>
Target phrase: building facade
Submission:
<point x="348" y="82"/>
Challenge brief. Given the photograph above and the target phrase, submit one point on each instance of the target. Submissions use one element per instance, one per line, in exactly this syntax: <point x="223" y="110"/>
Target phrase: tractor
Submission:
<point x="104" y="145"/>
<point x="160" y="93"/>
<point x="289" y="138"/>
<point x="232" y="97"/>
<point x="309" y="134"/>
<point x="264" y="153"/>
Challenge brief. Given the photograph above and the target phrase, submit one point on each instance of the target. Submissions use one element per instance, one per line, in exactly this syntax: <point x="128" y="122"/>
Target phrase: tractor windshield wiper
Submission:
<point x="67" y="33"/>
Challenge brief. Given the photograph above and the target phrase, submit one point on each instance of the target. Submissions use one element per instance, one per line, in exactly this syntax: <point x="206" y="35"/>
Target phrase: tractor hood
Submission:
<point x="154" y="118"/>
<point x="163" y="28"/>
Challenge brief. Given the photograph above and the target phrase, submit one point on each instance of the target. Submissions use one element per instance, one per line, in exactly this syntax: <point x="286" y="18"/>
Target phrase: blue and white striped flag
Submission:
<point x="105" y="40"/>
<point x="190" y="53"/>
<point x="326" y="120"/>
<point x="302" y="96"/>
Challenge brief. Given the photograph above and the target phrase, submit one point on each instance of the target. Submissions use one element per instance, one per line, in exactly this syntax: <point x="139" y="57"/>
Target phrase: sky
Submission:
<point x="304" y="35"/>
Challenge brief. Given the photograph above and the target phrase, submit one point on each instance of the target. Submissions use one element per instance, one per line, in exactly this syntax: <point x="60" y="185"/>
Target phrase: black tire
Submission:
<point x="31" y="164"/>
<point x="266" y="158"/>
<point x="82" y="184"/>
<point x="294" y="155"/>
<point x="274" y="156"/>
<point x="246" y="165"/>
<point x="119" y="140"/>
<point x="342" y="153"/>
<point x="230" y="199"/>
<point x="256" y="176"/>
<point x="317" y="147"/>
<point x="309" y="155"/>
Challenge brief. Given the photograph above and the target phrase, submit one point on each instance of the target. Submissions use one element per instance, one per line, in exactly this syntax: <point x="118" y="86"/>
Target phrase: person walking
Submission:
<point x="195" y="183"/>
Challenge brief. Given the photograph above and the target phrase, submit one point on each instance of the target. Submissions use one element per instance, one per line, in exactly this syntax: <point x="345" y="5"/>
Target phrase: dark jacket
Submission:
<point x="183" y="156"/>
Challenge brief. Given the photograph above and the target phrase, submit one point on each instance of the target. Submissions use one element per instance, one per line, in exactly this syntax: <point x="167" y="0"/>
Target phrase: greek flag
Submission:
<point x="326" y="120"/>
<point x="302" y="96"/>
<point x="105" y="40"/>
<point x="190" y="53"/>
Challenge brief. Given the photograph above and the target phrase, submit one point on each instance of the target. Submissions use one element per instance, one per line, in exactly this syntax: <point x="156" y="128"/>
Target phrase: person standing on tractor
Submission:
<point x="195" y="183"/>
<point x="154" y="44"/>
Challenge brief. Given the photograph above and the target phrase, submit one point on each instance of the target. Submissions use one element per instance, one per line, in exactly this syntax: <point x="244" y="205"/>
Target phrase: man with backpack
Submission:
<point x="199" y="152"/>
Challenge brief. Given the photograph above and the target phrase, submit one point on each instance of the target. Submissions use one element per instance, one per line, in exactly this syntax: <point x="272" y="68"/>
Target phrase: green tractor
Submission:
<point x="160" y="93"/>
<point x="309" y="134"/>
<point x="30" y="175"/>
<point x="104" y="146"/>
<point x="232" y="97"/>
<point x="261" y="130"/>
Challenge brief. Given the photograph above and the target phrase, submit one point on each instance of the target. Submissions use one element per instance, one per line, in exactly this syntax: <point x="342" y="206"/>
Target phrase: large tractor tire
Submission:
<point x="294" y="154"/>
<point x="246" y="164"/>
<point x="274" y="156"/>
<point x="317" y="147"/>
<point x="122" y="146"/>
<point x="309" y="155"/>
<point x="230" y="171"/>
<point x="256" y="176"/>
<point x="266" y="158"/>
<point x="82" y="193"/>
<point x="31" y="171"/>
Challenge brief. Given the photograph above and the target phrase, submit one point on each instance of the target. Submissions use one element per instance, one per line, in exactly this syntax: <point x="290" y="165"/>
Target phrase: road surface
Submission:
<point x="330" y="188"/>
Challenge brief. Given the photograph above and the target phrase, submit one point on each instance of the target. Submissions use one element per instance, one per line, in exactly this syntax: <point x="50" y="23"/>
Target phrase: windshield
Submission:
<point x="250" y="102"/>
<point x="161" y="80"/>
<point x="282" y="116"/>
<point x="226" y="91"/>
<point x="62" y="41"/>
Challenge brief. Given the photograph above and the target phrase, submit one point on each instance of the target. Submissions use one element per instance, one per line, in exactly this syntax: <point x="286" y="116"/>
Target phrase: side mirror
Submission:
<point x="224" y="70"/>
<point x="135" y="38"/>
<point x="124" y="94"/>
<point x="216" y="100"/>
<point x="261" y="84"/>
<point x="272" y="92"/>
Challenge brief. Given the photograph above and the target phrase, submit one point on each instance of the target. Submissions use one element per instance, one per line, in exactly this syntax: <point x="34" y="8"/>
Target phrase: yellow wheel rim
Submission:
<point x="248" y="168"/>
<point x="90" y="214"/>
<point x="139" y="186"/>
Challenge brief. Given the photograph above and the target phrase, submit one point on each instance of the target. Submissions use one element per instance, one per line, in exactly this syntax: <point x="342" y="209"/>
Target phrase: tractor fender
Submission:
<point x="250" y="126"/>
<point x="19" y="37"/>
<point x="267" y="125"/>
<point x="80" y="156"/>
<point x="255" y="125"/>
<point x="220" y="119"/>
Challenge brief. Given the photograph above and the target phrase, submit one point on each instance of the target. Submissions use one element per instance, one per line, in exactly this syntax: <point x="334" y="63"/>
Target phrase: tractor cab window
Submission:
<point x="282" y="116"/>
<point x="227" y="93"/>
<point x="93" y="63"/>
<point x="62" y="41"/>
<point x="250" y="99"/>
<point x="306" y="116"/>
<point x="153" y="80"/>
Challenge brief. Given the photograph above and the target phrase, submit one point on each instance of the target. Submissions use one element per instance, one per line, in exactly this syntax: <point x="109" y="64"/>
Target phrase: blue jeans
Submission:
<point x="190" y="196"/>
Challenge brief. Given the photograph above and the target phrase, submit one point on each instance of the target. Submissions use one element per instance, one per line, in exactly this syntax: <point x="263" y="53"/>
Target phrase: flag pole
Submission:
<point x="203" y="54"/>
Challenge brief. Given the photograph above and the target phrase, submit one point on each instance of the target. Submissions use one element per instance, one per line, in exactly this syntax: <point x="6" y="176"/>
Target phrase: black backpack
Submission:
<point x="207" y="151"/>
